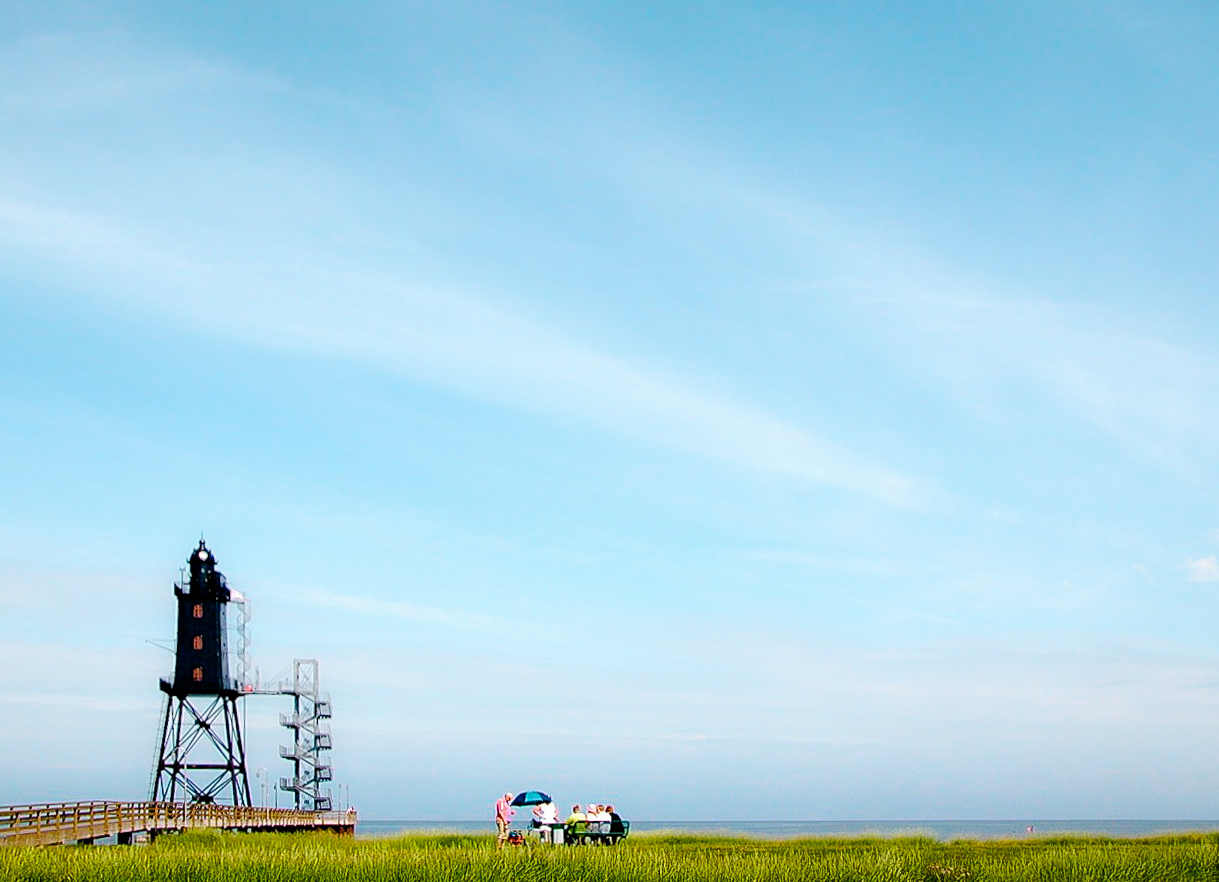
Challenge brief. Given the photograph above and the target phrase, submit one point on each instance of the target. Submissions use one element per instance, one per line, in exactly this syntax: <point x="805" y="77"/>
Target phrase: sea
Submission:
<point x="944" y="831"/>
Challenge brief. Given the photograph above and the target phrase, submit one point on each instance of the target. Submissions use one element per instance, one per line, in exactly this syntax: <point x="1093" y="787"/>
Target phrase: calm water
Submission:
<point x="942" y="830"/>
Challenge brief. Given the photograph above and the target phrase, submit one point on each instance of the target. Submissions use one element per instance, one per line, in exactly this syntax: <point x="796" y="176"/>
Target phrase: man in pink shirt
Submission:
<point x="503" y="817"/>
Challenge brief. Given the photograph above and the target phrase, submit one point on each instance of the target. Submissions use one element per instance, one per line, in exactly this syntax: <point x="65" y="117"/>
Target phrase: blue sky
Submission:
<point x="725" y="410"/>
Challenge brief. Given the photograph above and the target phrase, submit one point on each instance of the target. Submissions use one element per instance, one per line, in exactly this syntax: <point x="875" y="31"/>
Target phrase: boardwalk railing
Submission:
<point x="57" y="823"/>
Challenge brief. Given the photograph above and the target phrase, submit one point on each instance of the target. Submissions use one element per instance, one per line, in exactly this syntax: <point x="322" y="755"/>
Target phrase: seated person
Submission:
<point x="577" y="821"/>
<point x="599" y="822"/>
<point x="590" y="813"/>
<point x="615" y="827"/>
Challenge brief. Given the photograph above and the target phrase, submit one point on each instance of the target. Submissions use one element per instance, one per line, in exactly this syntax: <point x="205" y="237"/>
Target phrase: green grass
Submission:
<point x="220" y="857"/>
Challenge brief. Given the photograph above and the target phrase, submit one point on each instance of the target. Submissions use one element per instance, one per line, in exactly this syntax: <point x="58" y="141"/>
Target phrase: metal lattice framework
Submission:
<point x="310" y="739"/>
<point x="202" y="753"/>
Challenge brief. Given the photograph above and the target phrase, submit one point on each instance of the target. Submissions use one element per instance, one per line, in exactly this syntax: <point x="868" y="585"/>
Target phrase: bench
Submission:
<point x="590" y="832"/>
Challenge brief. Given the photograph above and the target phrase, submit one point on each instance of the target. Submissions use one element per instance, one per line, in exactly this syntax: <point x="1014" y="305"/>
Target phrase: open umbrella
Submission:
<point x="530" y="797"/>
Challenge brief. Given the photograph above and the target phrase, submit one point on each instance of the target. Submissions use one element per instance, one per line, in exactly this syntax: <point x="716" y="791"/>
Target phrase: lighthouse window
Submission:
<point x="198" y="610"/>
<point x="197" y="673"/>
<point x="198" y="642"/>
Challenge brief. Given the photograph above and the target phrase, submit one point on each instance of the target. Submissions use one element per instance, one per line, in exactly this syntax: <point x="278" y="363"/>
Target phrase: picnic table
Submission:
<point x="573" y="833"/>
<point x="595" y="832"/>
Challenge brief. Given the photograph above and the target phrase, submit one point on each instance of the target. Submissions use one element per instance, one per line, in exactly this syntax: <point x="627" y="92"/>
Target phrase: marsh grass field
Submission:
<point x="221" y="857"/>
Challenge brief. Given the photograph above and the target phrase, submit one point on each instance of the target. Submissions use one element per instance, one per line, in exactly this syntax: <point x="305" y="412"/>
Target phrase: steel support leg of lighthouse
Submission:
<point x="202" y="755"/>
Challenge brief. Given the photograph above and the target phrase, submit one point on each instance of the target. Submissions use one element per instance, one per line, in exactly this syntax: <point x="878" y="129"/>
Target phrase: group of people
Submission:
<point x="597" y="821"/>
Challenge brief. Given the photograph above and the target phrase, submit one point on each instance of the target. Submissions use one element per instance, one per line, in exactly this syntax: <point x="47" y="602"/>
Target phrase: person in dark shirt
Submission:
<point x="615" y="826"/>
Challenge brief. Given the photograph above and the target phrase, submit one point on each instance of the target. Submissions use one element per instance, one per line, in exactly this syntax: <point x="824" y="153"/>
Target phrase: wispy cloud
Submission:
<point x="88" y="702"/>
<point x="447" y="337"/>
<point x="995" y="351"/>
<point x="994" y="346"/>
<point x="66" y="236"/>
<point x="507" y="358"/>
<point x="369" y="606"/>
<point x="1204" y="569"/>
<point x="973" y="336"/>
<point x="57" y="72"/>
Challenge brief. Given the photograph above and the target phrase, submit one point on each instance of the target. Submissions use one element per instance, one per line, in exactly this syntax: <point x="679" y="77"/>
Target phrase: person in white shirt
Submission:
<point x="545" y="817"/>
<point x="546" y="813"/>
<point x="602" y="819"/>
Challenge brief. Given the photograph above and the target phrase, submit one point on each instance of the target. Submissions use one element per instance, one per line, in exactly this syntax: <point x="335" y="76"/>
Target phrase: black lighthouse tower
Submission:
<point x="202" y="756"/>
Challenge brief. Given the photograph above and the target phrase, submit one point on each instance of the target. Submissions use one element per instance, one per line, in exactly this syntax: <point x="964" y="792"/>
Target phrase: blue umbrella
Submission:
<point x="530" y="797"/>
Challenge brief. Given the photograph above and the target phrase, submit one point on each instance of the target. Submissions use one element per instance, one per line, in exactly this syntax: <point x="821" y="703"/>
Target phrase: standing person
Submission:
<point x="503" y="817"/>
<point x="545" y="817"/>
<point x="544" y="813"/>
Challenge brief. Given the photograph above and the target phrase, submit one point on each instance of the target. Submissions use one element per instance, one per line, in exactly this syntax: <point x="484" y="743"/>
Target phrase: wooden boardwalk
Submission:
<point x="60" y="823"/>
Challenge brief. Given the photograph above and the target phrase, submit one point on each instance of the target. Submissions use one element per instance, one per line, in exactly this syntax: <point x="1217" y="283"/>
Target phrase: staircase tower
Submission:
<point x="311" y="742"/>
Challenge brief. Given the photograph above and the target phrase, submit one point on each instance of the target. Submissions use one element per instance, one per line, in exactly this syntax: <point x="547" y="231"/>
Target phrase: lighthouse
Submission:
<point x="202" y="650"/>
<point x="202" y="755"/>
